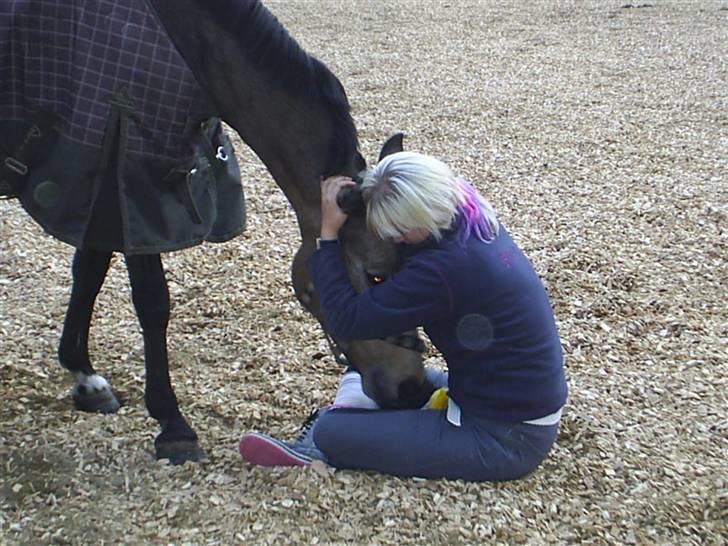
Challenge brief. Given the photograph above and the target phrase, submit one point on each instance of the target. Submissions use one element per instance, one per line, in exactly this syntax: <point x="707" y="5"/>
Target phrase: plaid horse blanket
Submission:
<point x="135" y="161"/>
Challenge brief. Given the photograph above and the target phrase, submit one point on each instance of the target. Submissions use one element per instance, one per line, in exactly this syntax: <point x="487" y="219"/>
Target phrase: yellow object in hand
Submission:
<point x="438" y="399"/>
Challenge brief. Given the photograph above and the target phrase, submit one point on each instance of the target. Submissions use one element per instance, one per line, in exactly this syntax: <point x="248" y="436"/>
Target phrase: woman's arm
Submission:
<point x="414" y="296"/>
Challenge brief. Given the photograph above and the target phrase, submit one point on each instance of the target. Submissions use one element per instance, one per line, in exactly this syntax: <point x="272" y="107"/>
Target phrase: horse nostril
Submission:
<point x="407" y="389"/>
<point x="413" y="394"/>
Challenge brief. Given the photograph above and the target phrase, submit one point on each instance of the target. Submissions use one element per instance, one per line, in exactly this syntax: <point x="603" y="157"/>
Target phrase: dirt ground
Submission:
<point x="598" y="129"/>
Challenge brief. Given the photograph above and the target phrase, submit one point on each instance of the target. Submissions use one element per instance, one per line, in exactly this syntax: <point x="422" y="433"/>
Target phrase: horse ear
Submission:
<point x="351" y="201"/>
<point x="392" y="146"/>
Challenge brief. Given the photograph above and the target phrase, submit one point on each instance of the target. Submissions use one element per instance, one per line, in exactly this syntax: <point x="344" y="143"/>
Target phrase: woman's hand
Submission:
<point x="332" y="217"/>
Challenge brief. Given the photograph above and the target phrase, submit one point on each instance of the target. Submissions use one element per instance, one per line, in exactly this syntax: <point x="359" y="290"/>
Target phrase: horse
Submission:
<point x="285" y="104"/>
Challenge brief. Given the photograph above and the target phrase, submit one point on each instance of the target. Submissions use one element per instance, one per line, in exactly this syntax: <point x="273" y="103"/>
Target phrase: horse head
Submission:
<point x="391" y="368"/>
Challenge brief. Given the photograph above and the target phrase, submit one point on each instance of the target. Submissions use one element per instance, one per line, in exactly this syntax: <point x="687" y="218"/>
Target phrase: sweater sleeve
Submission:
<point x="414" y="296"/>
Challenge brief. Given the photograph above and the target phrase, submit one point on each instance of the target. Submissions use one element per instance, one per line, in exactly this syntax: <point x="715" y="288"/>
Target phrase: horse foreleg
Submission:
<point x="91" y="392"/>
<point x="150" y="294"/>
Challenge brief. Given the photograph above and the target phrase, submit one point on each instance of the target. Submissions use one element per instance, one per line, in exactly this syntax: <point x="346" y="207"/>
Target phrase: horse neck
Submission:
<point x="288" y="113"/>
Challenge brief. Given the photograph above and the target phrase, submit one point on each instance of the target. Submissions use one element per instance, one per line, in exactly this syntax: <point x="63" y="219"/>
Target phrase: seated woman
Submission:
<point x="483" y="307"/>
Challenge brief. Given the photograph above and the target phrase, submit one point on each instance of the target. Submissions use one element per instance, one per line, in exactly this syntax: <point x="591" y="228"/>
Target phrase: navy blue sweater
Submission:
<point x="482" y="306"/>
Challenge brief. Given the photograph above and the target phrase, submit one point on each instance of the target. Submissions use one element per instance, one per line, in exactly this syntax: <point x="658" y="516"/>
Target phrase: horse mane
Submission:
<point x="266" y="43"/>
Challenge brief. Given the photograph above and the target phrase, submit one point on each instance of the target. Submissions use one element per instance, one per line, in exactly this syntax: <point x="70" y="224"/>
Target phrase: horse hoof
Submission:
<point x="180" y="451"/>
<point x="93" y="393"/>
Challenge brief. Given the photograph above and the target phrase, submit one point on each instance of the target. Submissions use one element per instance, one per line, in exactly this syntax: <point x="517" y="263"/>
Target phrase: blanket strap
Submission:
<point x="214" y="152"/>
<point x="14" y="165"/>
<point x="213" y="157"/>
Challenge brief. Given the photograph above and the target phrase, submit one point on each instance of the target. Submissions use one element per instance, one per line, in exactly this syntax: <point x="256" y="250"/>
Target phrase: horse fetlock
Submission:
<point x="177" y="442"/>
<point x="93" y="393"/>
<point x="175" y="429"/>
<point x="74" y="358"/>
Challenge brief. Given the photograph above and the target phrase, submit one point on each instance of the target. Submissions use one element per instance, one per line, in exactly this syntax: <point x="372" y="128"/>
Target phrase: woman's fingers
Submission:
<point x="333" y="184"/>
<point x="332" y="217"/>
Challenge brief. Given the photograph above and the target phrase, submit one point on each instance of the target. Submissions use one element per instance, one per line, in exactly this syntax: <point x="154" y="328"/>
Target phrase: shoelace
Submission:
<point x="307" y="425"/>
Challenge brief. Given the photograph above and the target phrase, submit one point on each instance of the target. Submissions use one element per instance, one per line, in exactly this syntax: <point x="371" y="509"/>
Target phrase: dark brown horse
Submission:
<point x="294" y="114"/>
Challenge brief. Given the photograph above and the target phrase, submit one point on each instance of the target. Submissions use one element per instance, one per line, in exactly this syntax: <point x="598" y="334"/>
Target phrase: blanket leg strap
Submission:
<point x="15" y="165"/>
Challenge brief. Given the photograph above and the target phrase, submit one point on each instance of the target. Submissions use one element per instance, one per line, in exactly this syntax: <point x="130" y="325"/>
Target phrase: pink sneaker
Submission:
<point x="265" y="450"/>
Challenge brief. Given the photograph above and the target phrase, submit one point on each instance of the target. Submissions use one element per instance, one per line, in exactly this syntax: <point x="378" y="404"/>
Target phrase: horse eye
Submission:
<point x="375" y="279"/>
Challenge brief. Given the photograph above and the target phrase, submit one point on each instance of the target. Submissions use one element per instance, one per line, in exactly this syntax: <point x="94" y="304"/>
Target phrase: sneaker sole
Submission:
<point x="263" y="450"/>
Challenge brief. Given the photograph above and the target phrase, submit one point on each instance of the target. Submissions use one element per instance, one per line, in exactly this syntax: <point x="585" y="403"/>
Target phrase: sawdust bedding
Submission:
<point x="598" y="130"/>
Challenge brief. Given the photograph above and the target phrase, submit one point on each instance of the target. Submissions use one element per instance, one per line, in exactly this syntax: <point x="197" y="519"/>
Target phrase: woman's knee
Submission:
<point x="335" y="428"/>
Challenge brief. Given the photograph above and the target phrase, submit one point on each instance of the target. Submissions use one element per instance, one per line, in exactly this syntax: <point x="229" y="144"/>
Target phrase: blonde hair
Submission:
<point x="407" y="191"/>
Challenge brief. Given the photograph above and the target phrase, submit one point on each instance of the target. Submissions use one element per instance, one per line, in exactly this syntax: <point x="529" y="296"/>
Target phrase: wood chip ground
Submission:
<point x="598" y="129"/>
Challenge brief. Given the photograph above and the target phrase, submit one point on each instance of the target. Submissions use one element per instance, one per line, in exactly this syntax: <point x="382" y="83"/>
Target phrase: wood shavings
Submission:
<point x="598" y="133"/>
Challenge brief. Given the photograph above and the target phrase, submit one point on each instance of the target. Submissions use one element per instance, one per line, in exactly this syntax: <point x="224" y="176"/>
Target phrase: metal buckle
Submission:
<point x="190" y="174"/>
<point x="16" y="166"/>
<point x="221" y="154"/>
